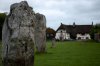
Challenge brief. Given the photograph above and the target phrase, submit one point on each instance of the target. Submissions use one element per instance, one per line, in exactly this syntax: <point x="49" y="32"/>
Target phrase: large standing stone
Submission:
<point x="40" y="33"/>
<point x="18" y="36"/>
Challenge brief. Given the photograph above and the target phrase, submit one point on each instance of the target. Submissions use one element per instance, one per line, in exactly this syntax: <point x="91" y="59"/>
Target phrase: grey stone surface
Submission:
<point x="18" y="36"/>
<point x="40" y="33"/>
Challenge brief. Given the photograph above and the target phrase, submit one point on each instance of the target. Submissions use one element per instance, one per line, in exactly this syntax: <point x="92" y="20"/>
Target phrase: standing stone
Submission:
<point x="18" y="36"/>
<point x="40" y="33"/>
<point x="53" y="43"/>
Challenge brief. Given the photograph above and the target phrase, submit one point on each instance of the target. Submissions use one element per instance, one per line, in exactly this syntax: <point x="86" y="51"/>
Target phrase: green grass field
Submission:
<point x="69" y="53"/>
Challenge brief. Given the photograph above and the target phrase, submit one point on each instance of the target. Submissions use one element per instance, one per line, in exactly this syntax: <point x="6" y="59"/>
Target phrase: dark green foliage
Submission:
<point x="73" y="35"/>
<point x="2" y="18"/>
<point x="0" y="54"/>
<point x="95" y="29"/>
<point x="92" y="32"/>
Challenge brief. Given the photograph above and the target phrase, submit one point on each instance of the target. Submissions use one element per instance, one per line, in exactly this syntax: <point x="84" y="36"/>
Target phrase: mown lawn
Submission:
<point x="69" y="53"/>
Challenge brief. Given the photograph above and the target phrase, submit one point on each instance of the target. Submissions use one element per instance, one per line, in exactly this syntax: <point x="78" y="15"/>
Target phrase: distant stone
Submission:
<point x="18" y="36"/>
<point x="53" y="43"/>
<point x="40" y="33"/>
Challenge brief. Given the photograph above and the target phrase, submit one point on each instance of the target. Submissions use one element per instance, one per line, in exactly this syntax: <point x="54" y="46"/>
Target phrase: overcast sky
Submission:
<point x="65" y="11"/>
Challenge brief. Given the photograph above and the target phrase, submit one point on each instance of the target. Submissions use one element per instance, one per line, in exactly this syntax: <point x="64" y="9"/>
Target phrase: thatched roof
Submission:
<point x="76" y="28"/>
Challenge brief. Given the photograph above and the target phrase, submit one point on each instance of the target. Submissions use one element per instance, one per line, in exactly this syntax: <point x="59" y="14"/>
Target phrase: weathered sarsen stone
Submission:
<point x="18" y="36"/>
<point x="40" y="33"/>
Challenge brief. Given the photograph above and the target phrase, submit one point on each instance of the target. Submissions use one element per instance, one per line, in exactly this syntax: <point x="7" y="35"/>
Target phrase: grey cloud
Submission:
<point x="65" y="11"/>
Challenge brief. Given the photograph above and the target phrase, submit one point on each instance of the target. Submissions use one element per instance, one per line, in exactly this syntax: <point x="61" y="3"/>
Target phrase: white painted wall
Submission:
<point x="64" y="35"/>
<point x="85" y="36"/>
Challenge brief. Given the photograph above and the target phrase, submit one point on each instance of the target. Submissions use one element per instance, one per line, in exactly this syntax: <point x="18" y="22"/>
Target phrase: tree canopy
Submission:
<point x="2" y="18"/>
<point x="95" y="29"/>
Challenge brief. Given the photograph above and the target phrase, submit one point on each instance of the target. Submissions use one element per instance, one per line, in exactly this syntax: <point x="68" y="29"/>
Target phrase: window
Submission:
<point x="87" y="37"/>
<point x="79" y="38"/>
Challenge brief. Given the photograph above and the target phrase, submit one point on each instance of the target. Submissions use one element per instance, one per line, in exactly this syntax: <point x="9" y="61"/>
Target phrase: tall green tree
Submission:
<point x="2" y="18"/>
<point x="95" y="29"/>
